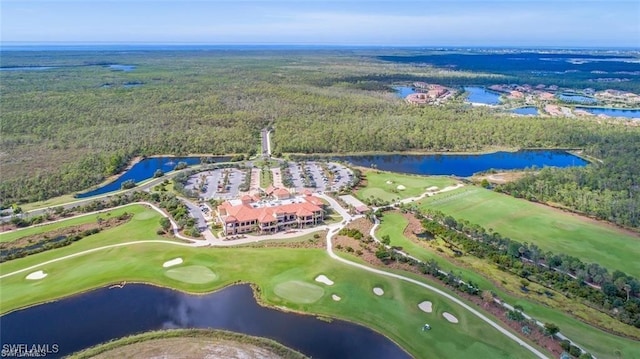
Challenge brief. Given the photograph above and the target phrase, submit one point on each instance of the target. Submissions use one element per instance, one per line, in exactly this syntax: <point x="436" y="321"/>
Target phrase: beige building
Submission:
<point x="279" y="211"/>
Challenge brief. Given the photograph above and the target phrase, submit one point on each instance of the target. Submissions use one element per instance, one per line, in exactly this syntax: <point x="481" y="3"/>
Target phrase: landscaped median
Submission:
<point x="275" y="271"/>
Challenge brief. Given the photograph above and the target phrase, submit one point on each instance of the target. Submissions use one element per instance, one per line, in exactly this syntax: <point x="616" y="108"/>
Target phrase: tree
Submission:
<point x="551" y="329"/>
<point x="182" y="165"/>
<point x="485" y="183"/>
<point x="128" y="184"/>
<point x="158" y="173"/>
<point x="386" y="239"/>
<point x="165" y="223"/>
<point x="16" y="209"/>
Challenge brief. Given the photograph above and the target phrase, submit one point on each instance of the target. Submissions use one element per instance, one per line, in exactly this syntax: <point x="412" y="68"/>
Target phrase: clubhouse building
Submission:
<point x="279" y="210"/>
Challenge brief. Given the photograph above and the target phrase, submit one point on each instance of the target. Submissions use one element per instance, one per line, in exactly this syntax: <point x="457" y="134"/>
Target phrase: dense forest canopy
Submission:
<point x="67" y="128"/>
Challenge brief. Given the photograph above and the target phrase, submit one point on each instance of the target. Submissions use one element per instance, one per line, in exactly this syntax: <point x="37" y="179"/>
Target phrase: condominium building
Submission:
<point x="277" y="212"/>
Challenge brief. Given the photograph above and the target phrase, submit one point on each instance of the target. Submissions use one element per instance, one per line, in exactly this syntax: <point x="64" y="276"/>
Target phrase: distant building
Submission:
<point x="280" y="211"/>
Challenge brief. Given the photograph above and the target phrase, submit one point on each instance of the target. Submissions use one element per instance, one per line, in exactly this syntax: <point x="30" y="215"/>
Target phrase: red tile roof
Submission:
<point x="245" y="213"/>
<point x="281" y="192"/>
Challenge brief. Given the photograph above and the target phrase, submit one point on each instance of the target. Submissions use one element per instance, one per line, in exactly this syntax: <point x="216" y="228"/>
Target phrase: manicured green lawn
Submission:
<point x="140" y="212"/>
<point x="395" y="313"/>
<point x="550" y="229"/>
<point x="600" y="343"/>
<point x="377" y="185"/>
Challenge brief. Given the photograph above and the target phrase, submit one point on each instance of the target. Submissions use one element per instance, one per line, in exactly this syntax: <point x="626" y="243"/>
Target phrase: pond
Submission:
<point x="529" y="110"/>
<point x="612" y="112"/>
<point x="574" y="98"/>
<point x="467" y="164"/>
<point x="94" y="317"/>
<point x="404" y="91"/>
<point x="480" y="95"/>
<point x="129" y="85"/>
<point x="144" y="170"/>
<point x="125" y="68"/>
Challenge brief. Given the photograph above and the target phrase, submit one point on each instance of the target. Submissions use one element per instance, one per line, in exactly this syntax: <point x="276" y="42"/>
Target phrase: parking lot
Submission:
<point x="311" y="175"/>
<point x="316" y="176"/>
<point x="214" y="186"/>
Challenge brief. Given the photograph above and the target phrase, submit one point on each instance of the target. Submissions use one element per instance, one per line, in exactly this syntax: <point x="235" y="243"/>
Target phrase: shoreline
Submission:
<point x="134" y="161"/>
<point x="255" y="289"/>
<point x="211" y="334"/>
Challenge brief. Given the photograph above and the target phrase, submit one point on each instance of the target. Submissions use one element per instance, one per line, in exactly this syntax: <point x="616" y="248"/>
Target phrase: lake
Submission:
<point x="482" y="95"/>
<point x="465" y="165"/>
<point x="404" y="91"/>
<point x="94" y="317"/>
<point x="144" y="170"/>
<point x="612" y="112"/>
<point x="125" y="68"/>
<point x="129" y="85"/>
<point x="574" y="98"/>
<point x="529" y="110"/>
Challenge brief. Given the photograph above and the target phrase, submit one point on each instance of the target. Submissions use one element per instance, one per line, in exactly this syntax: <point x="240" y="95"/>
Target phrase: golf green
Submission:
<point x="195" y="274"/>
<point x="298" y="291"/>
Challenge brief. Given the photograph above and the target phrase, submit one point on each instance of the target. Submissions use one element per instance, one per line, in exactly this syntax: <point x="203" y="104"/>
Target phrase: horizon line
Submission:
<point x="8" y="44"/>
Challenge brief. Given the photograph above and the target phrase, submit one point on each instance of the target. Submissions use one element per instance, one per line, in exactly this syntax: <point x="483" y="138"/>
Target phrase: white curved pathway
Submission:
<point x="332" y="230"/>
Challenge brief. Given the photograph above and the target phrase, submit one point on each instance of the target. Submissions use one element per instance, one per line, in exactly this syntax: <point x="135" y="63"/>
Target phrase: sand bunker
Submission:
<point x="450" y="317"/>
<point x="335" y="297"/>
<point x="401" y="187"/>
<point x="378" y="291"/>
<point x="173" y="262"/>
<point x="37" y="275"/>
<point x="425" y="306"/>
<point x="389" y="182"/>
<point x="323" y="279"/>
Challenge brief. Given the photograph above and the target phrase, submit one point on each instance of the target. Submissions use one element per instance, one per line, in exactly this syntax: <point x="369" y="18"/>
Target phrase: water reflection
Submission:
<point x="104" y="314"/>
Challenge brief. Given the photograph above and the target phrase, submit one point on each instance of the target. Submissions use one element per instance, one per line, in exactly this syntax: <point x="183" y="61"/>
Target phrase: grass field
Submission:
<point x="395" y="314"/>
<point x="550" y="229"/>
<point x="141" y="213"/>
<point x="377" y="185"/>
<point x="600" y="343"/>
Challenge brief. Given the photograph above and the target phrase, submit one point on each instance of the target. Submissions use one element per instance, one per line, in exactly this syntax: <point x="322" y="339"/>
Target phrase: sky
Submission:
<point x="556" y="23"/>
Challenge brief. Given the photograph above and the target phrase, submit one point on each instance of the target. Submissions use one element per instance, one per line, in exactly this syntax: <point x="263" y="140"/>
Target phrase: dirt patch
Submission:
<point x="500" y="177"/>
<point x="190" y="348"/>
<point x="364" y="248"/>
<point x="413" y="228"/>
<point x="320" y="242"/>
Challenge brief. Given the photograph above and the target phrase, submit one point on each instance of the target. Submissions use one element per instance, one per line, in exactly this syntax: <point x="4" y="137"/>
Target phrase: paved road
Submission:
<point x="196" y="212"/>
<point x="266" y="142"/>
